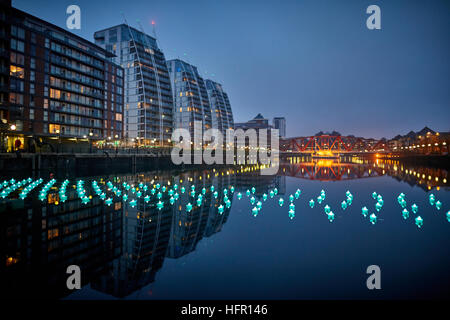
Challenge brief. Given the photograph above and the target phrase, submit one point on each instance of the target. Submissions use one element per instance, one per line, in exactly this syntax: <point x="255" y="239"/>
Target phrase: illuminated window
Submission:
<point x="54" y="128"/>
<point x="15" y="71"/>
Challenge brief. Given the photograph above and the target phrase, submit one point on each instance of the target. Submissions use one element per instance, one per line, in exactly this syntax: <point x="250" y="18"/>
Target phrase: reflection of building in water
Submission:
<point x="357" y="168"/>
<point x="188" y="228"/>
<point x="262" y="183"/>
<point x="40" y="241"/>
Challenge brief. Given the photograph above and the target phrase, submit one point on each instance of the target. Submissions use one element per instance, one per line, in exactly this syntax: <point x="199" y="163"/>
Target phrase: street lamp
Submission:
<point x="13" y="127"/>
<point x="59" y="138"/>
<point x="90" y="141"/>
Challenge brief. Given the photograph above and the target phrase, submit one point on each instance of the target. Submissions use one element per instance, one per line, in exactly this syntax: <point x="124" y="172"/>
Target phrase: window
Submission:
<point x="16" y="84"/>
<point x="32" y="76"/>
<point x="31" y="100"/>
<point x="15" y="71"/>
<point x="17" y="32"/>
<point x="17" y="58"/>
<point x="15" y="98"/>
<point x="32" y="88"/>
<point x="32" y="63"/>
<point x="17" y="45"/>
<point x="118" y="117"/>
<point x="45" y="103"/>
<point x="31" y="114"/>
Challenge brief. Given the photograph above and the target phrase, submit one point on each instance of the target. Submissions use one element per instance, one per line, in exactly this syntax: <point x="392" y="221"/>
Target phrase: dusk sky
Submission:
<point x="313" y="62"/>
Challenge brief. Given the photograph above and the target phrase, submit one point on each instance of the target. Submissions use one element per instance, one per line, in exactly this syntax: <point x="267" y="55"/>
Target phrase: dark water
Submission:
<point x="146" y="253"/>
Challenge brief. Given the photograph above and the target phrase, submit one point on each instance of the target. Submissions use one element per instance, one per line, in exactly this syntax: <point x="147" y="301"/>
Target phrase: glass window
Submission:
<point x="16" y="71"/>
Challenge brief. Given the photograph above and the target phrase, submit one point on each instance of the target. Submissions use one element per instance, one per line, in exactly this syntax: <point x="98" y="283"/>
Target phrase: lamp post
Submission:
<point x="13" y="128"/>
<point x="116" y="142"/>
<point x="90" y="141"/>
<point x="59" y="139"/>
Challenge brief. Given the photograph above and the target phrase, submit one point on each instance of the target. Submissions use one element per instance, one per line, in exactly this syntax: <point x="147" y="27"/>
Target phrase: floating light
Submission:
<point x="125" y="197"/>
<point x="374" y="195"/>
<point x="203" y="190"/>
<point x="373" y="218"/>
<point x="228" y="204"/>
<point x="171" y="200"/>
<point x="275" y="191"/>
<point x="403" y="203"/>
<point x="271" y="193"/>
<point x="188" y="207"/>
<point x="247" y="193"/>
<point x="232" y="189"/>
<point x="252" y="200"/>
<point x="259" y="205"/>
<point x="160" y="205"/>
<point x="432" y="199"/>
<point x="419" y="222"/>
<point x="291" y="214"/>
<point x="147" y="199"/>
<point x="220" y="209"/>
<point x="364" y="211"/>
<point x="291" y="198"/>
<point x="176" y="196"/>
<point x="215" y="194"/>
<point x="253" y="190"/>
<point x="448" y="216"/>
<point x="344" y="205"/>
<point x="378" y="206"/>
<point x="291" y="206"/>
<point x="438" y="205"/>
<point x="255" y="211"/>
<point x="183" y="189"/>
<point x="414" y="208"/>
<point x="327" y="209"/>
<point x="405" y="214"/>
<point x="239" y="196"/>
<point x="330" y="216"/>
<point x="199" y="202"/>
<point x="280" y="202"/>
<point x="264" y="196"/>
<point x="212" y="188"/>
<point x="311" y="203"/>
<point x="319" y="199"/>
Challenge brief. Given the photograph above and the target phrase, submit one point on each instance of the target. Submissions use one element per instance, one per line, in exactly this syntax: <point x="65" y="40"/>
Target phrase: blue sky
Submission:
<point x="313" y="61"/>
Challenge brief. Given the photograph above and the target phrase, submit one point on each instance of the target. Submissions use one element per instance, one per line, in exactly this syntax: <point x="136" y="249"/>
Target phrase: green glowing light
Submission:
<point x="344" y="205"/>
<point x="414" y="208"/>
<point x="373" y="218"/>
<point x="311" y="203"/>
<point x="239" y="196"/>
<point x="327" y="209"/>
<point x="364" y="211"/>
<point x="438" y="205"/>
<point x="280" y="202"/>
<point x="419" y="222"/>
<point x="255" y="211"/>
<point x="405" y="214"/>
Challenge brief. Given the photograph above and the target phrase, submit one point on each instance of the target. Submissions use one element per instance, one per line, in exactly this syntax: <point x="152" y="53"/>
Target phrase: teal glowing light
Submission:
<point x="118" y="193"/>
<point x="212" y="188"/>
<point x="220" y="209"/>
<point x="108" y="201"/>
<point x="225" y="198"/>
<point x="405" y="214"/>
<point x="327" y="209"/>
<point x="403" y="203"/>
<point x="160" y="205"/>
<point x="193" y="188"/>
<point x="141" y="185"/>
<point x="215" y="194"/>
<point x="438" y="205"/>
<point x="379" y="197"/>
<point x="419" y="222"/>
<point x="349" y="201"/>
<point x="252" y="200"/>
<point x="330" y="216"/>
<point x="176" y="196"/>
<point x="170" y="192"/>
<point x="319" y="199"/>
<point x="145" y="188"/>
<point x="364" y="211"/>
<point x="147" y="199"/>
<point x="159" y="195"/>
<point x="102" y="196"/>
<point x="291" y="198"/>
<point x="381" y="201"/>
<point x="193" y="194"/>
<point x="271" y="193"/>
<point x="228" y="204"/>
<point x="432" y="199"/>
<point x="163" y="189"/>
<point x="175" y="186"/>
<point x="138" y="194"/>
<point x="280" y="202"/>
<point x="125" y="197"/>
<point x="188" y="207"/>
<point x="291" y="206"/>
<point x="373" y="218"/>
<point x="232" y="189"/>
<point x="448" y="216"/>
<point x="275" y="191"/>
<point x="183" y="189"/>
<point x="133" y="203"/>
<point x="171" y="200"/>
<point x="259" y="205"/>
<point x="253" y="190"/>
<point x="264" y="196"/>
<point x="311" y="203"/>
<point x="344" y="205"/>
<point x="247" y="193"/>
<point x="239" y="196"/>
<point x="374" y="195"/>
<point x="414" y="208"/>
<point x="378" y="206"/>
<point x="199" y="202"/>
<point x="203" y="190"/>
<point x="348" y="193"/>
<point x="158" y="186"/>
<point x="291" y="214"/>
<point x="255" y="211"/>
<point x="153" y="191"/>
<point x="225" y="191"/>
<point x="85" y="200"/>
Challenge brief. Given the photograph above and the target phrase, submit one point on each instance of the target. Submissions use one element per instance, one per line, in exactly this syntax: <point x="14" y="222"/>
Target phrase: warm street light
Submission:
<point x="91" y="134"/>
<point x="116" y="136"/>
<point x="13" y="127"/>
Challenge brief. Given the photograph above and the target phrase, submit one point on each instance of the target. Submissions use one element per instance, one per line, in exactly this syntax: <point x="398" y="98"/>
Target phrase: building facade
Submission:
<point x="190" y="97"/>
<point x="222" y="115"/>
<point x="148" y="96"/>
<point x="280" y="124"/>
<point x="55" y="86"/>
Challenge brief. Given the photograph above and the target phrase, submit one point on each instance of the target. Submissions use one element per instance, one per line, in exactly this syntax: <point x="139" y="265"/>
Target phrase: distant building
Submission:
<point x="222" y="116"/>
<point x="280" y="124"/>
<point x="148" y="96"/>
<point x="258" y="122"/>
<point x="190" y="97"/>
<point x="54" y="85"/>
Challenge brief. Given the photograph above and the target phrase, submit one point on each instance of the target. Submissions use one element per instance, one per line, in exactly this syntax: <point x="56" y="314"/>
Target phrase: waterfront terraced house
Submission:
<point x="59" y="90"/>
<point x="148" y="95"/>
<point x="222" y="116"/>
<point x="190" y="98"/>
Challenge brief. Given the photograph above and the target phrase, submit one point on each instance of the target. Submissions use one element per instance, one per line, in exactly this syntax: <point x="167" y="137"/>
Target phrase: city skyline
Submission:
<point x="328" y="75"/>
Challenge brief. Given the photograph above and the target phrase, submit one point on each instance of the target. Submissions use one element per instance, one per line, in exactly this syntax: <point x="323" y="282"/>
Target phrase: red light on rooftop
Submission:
<point x="153" y="22"/>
